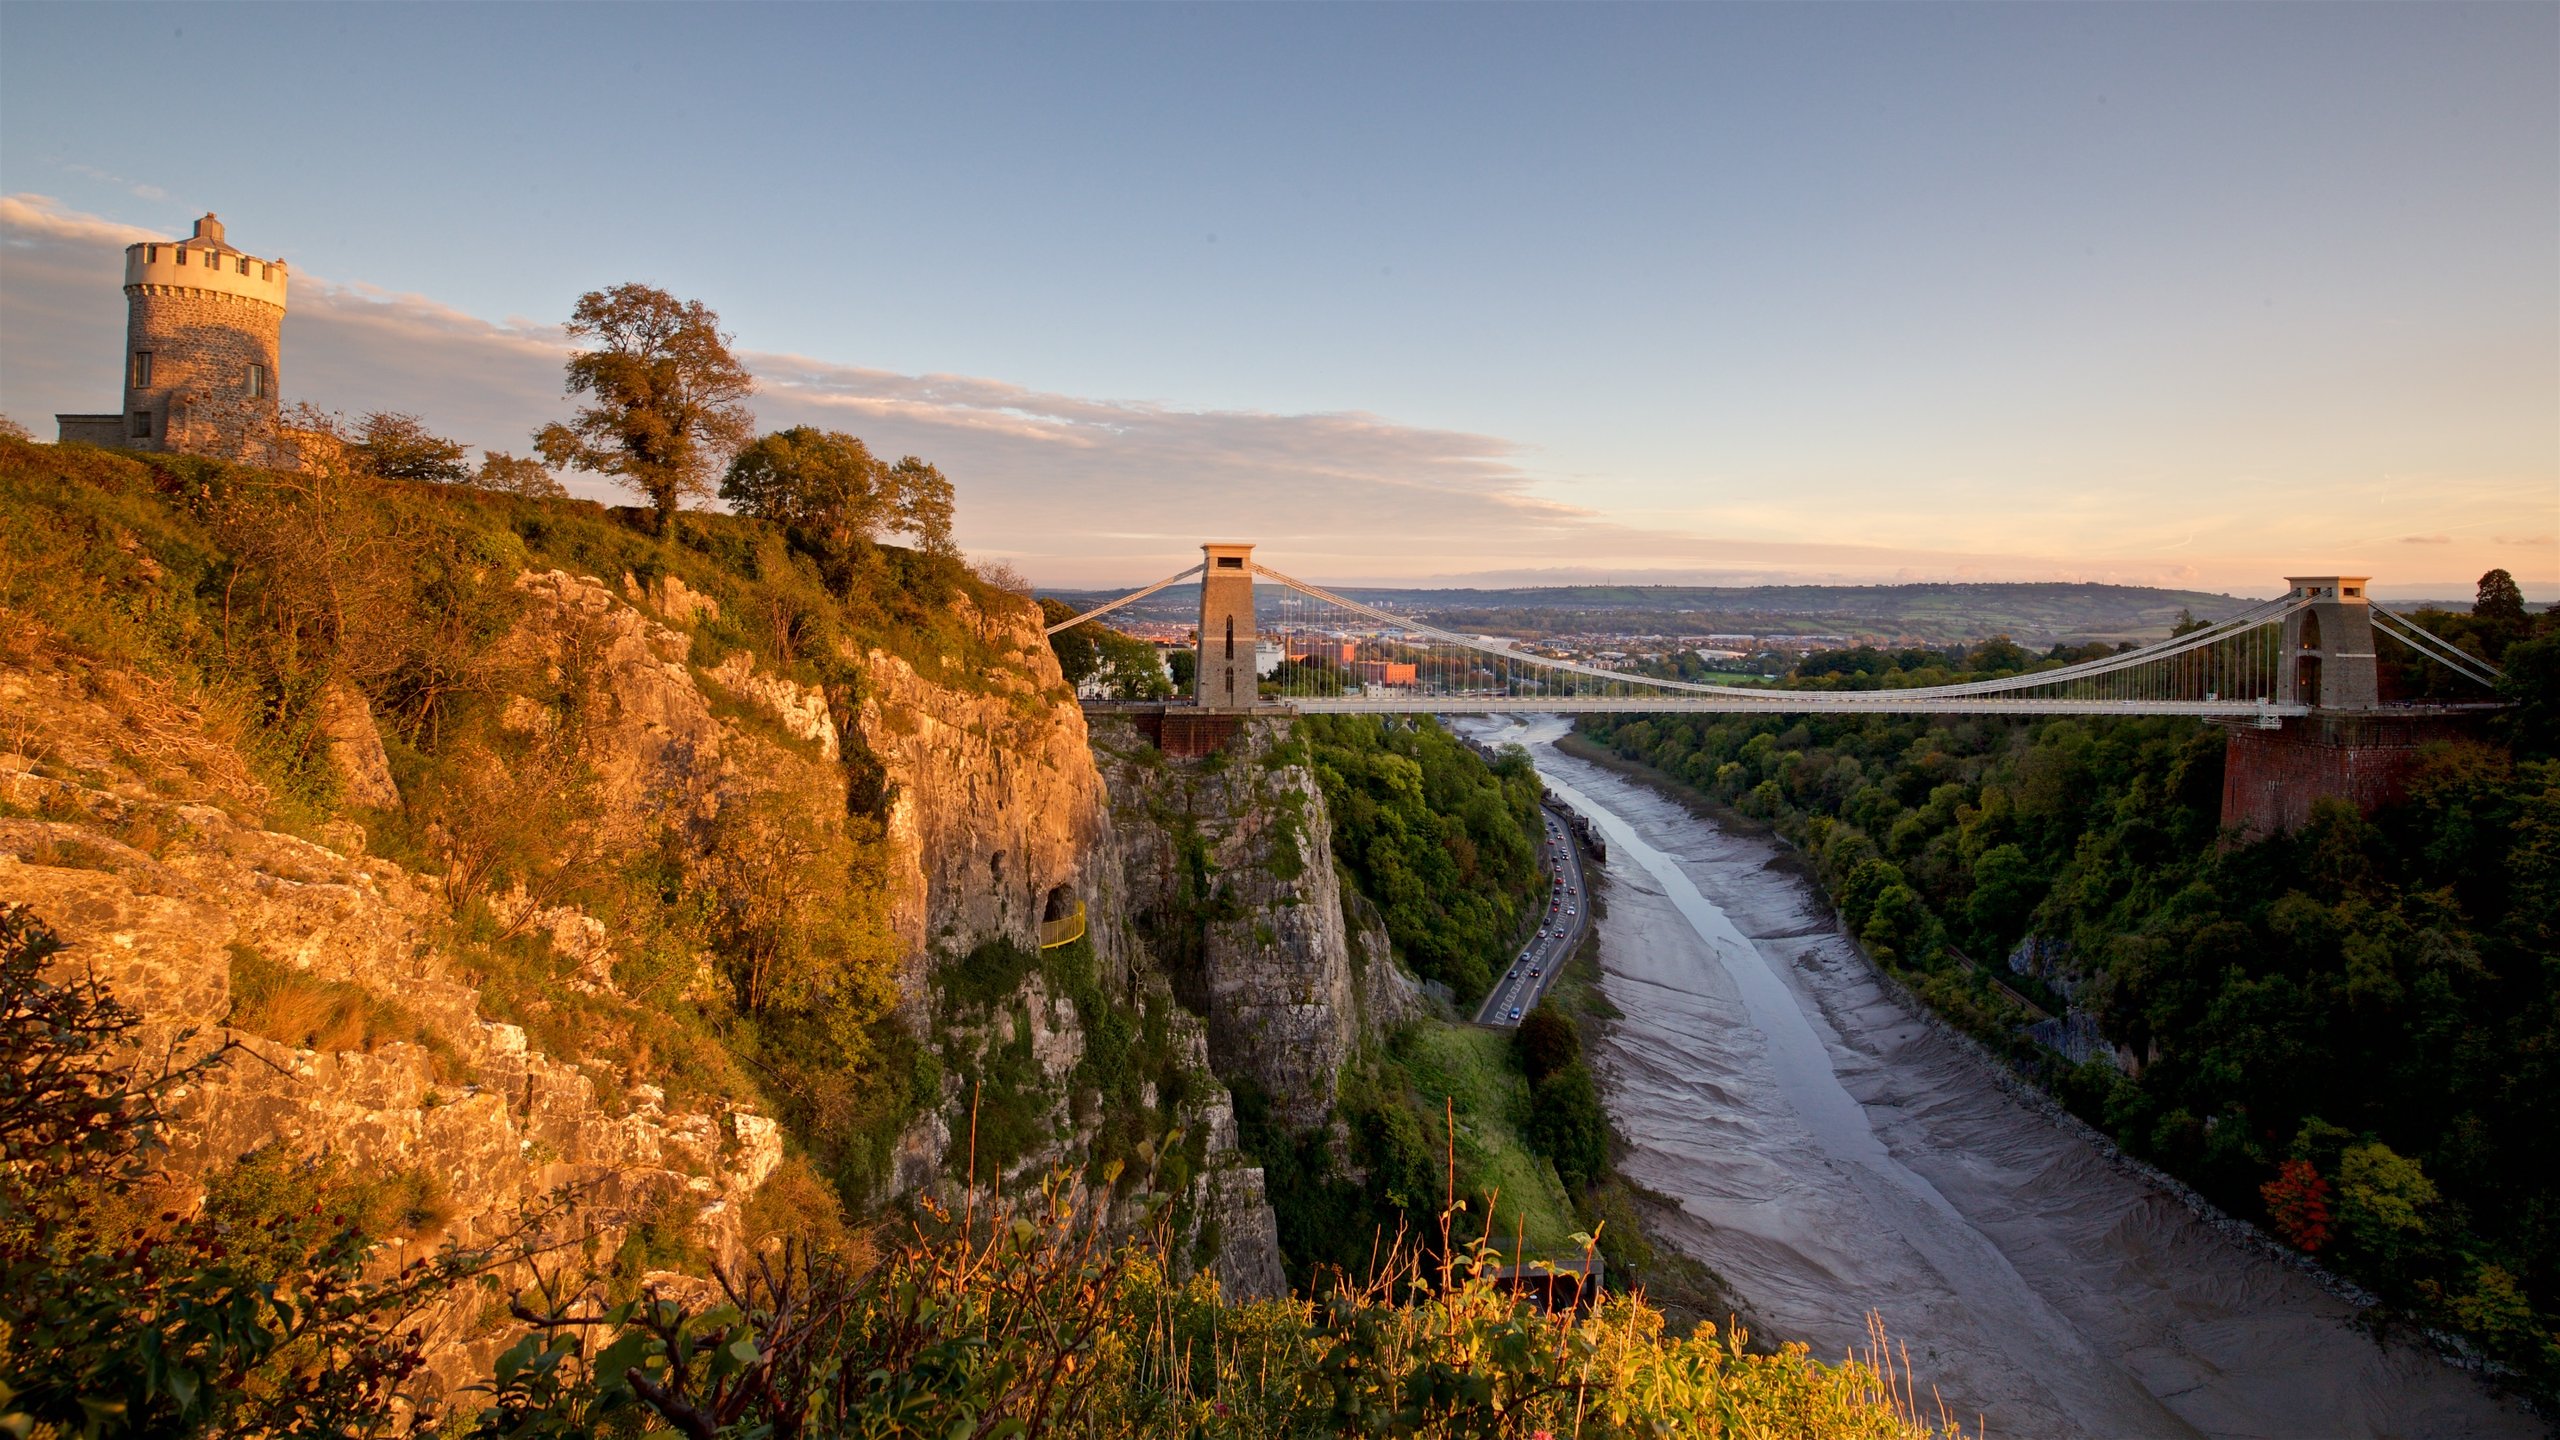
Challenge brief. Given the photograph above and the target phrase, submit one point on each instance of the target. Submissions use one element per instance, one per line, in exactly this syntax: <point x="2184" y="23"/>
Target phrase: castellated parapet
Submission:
<point x="203" y="350"/>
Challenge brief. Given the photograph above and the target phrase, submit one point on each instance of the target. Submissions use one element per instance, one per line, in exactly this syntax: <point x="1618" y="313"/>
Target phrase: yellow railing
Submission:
<point x="1065" y="930"/>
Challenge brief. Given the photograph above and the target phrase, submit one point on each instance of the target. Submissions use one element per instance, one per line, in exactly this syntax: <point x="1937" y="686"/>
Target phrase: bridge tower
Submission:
<point x="1225" y="678"/>
<point x="2328" y="658"/>
<point x="2351" y="746"/>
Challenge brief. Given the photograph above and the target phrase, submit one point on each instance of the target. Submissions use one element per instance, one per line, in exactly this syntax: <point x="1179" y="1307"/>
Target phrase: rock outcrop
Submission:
<point x="1228" y="866"/>
<point x="167" y="889"/>
<point x="150" y="847"/>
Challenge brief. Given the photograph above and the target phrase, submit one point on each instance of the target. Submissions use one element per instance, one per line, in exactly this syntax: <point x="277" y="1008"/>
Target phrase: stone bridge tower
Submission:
<point x="1226" y="678"/>
<point x="203" y="350"/>
<point x="2351" y="746"/>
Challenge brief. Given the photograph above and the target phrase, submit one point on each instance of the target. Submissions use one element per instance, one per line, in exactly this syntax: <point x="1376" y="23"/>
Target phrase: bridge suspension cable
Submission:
<point x="2229" y="666"/>
<point x="1335" y="653"/>
<point x="2435" y="647"/>
<point x="1135" y="595"/>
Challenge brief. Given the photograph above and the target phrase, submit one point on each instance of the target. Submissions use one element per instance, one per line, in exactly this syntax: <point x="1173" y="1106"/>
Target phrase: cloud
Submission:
<point x="2426" y="539"/>
<point x="1076" y="490"/>
<point x="32" y="219"/>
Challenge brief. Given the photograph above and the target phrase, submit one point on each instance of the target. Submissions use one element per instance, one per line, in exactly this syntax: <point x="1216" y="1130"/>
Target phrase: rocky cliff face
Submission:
<point x="136" y="834"/>
<point x="144" y="840"/>
<point x="995" y="793"/>
<point x="1228" y="866"/>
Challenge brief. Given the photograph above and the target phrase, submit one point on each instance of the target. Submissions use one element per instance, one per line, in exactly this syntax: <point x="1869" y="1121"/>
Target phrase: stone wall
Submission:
<point x="202" y="344"/>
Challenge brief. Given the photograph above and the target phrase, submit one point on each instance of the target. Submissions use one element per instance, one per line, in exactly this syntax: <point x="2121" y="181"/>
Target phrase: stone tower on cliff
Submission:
<point x="203" y="328"/>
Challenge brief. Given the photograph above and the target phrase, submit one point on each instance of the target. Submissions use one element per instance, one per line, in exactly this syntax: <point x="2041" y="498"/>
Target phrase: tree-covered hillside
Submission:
<point x="2346" y="1033"/>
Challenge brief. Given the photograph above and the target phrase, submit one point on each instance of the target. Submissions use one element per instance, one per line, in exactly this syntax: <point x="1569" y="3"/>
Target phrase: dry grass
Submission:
<point x="309" y="1013"/>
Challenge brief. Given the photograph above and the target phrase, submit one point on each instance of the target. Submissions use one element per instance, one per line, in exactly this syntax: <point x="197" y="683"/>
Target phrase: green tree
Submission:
<point x="830" y="486"/>
<point x="1547" y="1042"/>
<point x="2530" y="685"/>
<point x="1185" y="664"/>
<point x="668" y="402"/>
<point x="2383" y="1197"/>
<point x="1124" y="666"/>
<point x="824" y="482"/>
<point x="2006" y="887"/>
<point x="1567" y="1125"/>
<point x="2499" y="599"/>
<point x="400" y="447"/>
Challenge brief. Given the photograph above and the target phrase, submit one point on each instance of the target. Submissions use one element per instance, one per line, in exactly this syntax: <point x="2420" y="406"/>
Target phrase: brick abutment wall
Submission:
<point x="2270" y="778"/>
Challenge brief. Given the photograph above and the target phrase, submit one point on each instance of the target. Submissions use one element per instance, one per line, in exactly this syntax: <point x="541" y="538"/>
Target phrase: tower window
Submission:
<point x="1230" y="562"/>
<point x="151" y="254"/>
<point x="1231" y="638"/>
<point x="257" y="382"/>
<point x="182" y="254"/>
<point x="141" y="369"/>
<point x="244" y="264"/>
<point x="141" y="424"/>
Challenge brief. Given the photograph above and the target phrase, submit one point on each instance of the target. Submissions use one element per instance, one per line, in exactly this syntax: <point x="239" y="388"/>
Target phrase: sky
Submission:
<point x="2188" y="295"/>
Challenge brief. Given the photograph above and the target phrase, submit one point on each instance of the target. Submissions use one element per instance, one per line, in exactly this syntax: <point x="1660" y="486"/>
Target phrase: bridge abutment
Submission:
<point x="2350" y="747"/>
<point x="2271" y="778"/>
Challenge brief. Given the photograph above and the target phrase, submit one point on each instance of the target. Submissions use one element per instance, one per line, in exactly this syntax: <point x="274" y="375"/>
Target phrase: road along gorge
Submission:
<point x="1831" y="1151"/>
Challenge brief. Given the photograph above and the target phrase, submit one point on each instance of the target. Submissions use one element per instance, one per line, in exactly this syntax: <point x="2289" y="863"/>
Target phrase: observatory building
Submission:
<point x="203" y="321"/>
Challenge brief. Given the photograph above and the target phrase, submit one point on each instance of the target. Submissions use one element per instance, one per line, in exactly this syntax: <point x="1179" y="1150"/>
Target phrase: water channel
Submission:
<point x="1831" y="1152"/>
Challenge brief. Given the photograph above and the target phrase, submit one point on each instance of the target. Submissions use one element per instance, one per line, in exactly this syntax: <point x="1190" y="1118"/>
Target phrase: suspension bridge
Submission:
<point x="2313" y="650"/>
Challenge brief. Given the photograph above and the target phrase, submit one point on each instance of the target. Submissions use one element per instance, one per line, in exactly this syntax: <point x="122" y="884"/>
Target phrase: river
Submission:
<point x="1831" y="1152"/>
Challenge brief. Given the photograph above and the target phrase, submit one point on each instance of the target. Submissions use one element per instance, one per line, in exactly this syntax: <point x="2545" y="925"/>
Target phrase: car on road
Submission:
<point x="1536" y="970"/>
<point x="1515" y="1012"/>
<point x="1569" y="910"/>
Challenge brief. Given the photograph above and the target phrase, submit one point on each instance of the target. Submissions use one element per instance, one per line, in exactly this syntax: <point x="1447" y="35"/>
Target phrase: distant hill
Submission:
<point x="2032" y="614"/>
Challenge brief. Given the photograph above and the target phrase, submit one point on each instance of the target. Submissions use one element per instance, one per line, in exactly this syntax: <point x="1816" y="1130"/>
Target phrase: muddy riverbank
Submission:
<point x="1832" y="1152"/>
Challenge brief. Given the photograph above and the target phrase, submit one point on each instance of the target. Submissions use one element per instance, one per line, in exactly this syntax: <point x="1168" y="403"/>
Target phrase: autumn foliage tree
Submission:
<point x="667" y="405"/>
<point x="2298" y="1202"/>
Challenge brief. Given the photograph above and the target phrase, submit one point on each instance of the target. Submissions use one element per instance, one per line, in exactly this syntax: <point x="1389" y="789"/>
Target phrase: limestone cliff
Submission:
<point x="994" y="792"/>
<point x="1229" y="872"/>
<point x="134" y="831"/>
<point x="135" y="828"/>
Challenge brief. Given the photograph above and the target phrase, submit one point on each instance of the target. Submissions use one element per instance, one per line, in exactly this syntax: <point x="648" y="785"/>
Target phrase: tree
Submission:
<point x="400" y="447"/>
<point x="829" y="486"/>
<point x="2499" y="599"/>
<point x="1124" y="666"/>
<point x="1547" y="1043"/>
<point x="669" y="399"/>
<point x="2298" y="1202"/>
<point x="923" y="505"/>
<point x="513" y="475"/>
<point x="1002" y="575"/>
<point x="1567" y="1125"/>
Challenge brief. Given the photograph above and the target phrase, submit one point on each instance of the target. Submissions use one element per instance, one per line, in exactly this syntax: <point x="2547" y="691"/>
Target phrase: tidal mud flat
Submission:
<point x="1833" y="1152"/>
